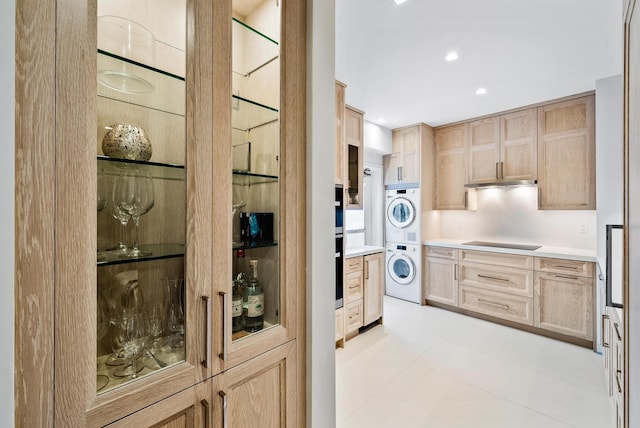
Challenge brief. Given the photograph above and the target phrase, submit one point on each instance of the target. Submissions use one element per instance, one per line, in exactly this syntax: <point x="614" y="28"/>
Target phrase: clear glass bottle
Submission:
<point x="237" y="318"/>
<point x="253" y="301"/>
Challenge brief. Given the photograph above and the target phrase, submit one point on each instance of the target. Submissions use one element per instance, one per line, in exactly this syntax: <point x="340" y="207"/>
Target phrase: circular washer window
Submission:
<point x="402" y="269"/>
<point x="401" y="213"/>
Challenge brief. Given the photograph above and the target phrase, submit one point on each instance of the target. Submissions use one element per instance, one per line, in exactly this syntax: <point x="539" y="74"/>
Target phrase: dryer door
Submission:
<point x="400" y="213"/>
<point x="401" y="269"/>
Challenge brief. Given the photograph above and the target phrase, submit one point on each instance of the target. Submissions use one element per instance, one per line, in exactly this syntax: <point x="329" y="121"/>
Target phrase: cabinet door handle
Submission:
<point x="223" y="354"/>
<point x="223" y="396"/>
<point x="455" y="272"/>
<point x="206" y="363"/>
<point x="466" y="198"/>
<point x="207" y="413"/>
<point x="604" y="317"/>
<point x="618" y="372"/>
<point x="495" y="278"/>
<point x="502" y="170"/>
<point x="497" y="171"/>
<point x="489" y="302"/>
<point x="366" y="269"/>
<point x="615" y="325"/>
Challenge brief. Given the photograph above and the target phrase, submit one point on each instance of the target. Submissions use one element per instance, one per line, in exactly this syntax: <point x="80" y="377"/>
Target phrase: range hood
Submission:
<point x="514" y="183"/>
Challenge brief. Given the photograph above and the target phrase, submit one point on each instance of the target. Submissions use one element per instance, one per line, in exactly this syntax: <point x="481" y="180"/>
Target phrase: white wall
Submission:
<point x="377" y="140"/>
<point x="320" y="214"/>
<point x="7" y="214"/>
<point x="511" y="214"/>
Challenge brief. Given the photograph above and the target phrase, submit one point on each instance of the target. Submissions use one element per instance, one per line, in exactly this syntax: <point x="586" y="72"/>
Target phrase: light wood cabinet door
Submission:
<point x="353" y="319"/>
<point x="518" y="145"/>
<point x="354" y="139"/>
<point x="373" y="287"/>
<point x="564" y="304"/>
<point x="339" y="323"/>
<point x="451" y="144"/>
<point x="484" y="150"/>
<point x="441" y="281"/>
<point x="406" y="150"/>
<point x="258" y="393"/>
<point x="391" y="166"/>
<point x="340" y="162"/>
<point x="497" y="278"/>
<point x="566" y="155"/>
<point x="501" y="305"/>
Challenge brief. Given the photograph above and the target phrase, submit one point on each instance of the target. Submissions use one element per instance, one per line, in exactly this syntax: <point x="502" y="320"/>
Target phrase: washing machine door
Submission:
<point x="400" y="212"/>
<point x="401" y="269"/>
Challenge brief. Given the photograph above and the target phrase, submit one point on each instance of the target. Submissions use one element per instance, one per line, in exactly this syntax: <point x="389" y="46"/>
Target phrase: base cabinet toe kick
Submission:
<point x="548" y="296"/>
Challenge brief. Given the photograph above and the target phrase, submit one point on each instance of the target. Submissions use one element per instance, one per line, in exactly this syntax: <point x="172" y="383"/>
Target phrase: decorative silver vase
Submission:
<point x="127" y="142"/>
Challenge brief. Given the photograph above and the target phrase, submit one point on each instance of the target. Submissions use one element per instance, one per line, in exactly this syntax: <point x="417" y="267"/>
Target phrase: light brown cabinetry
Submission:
<point x="354" y="146"/>
<point x="185" y="235"/>
<point x="363" y="292"/>
<point x="373" y="287"/>
<point x="503" y="148"/>
<point x="614" y="361"/>
<point x="340" y="162"/>
<point x="441" y="275"/>
<point x="564" y="301"/>
<point x="566" y="155"/>
<point x="451" y="147"/>
<point x="499" y="285"/>
<point x="402" y="166"/>
<point x="340" y="327"/>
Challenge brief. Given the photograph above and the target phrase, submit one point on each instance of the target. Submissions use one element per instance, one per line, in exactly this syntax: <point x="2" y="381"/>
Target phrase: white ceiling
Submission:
<point x="522" y="51"/>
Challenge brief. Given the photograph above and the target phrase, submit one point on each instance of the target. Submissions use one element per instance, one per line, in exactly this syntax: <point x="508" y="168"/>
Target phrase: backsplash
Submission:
<point x="511" y="214"/>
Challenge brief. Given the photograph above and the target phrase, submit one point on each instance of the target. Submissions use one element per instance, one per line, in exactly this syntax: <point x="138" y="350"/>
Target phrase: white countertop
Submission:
<point x="362" y="251"/>
<point x="544" y="251"/>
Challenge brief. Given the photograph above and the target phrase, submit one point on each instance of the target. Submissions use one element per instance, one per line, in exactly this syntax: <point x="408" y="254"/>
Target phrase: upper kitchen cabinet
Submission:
<point x="566" y="155"/>
<point x="354" y="146"/>
<point x="402" y="166"/>
<point x="450" y="156"/>
<point x="340" y="162"/>
<point x="503" y="148"/>
<point x="192" y="263"/>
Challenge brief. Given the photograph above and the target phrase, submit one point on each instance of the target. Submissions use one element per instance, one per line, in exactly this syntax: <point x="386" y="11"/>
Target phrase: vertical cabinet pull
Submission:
<point x="455" y="272"/>
<point x="223" y="354"/>
<point x="604" y="317"/>
<point x="366" y="269"/>
<point x="400" y="170"/>
<point x="497" y="171"/>
<point x="466" y="198"/>
<point x="615" y="325"/>
<point x="206" y="363"/>
<point x="223" y="396"/>
<point x="207" y="413"/>
<point x="502" y="170"/>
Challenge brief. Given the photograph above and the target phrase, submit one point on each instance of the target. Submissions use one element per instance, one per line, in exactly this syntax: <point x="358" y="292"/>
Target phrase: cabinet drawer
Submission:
<point x="339" y="323"/>
<point x="353" y="318"/>
<point x="572" y="267"/>
<point x="443" y="252"/>
<point x="500" y="305"/>
<point x="353" y="264"/>
<point x="498" y="259"/>
<point x="353" y="286"/>
<point x="503" y="279"/>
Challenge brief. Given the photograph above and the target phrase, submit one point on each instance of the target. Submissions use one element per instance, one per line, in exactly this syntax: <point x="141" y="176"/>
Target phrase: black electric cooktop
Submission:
<point x="502" y="245"/>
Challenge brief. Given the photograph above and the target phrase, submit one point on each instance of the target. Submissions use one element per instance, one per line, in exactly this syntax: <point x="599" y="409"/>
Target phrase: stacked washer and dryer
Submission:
<point x="403" y="246"/>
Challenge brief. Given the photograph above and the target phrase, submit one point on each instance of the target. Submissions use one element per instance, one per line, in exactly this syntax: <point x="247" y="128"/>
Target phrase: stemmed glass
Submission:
<point x="119" y="214"/>
<point x="133" y="194"/>
<point x="135" y="333"/>
<point x="102" y="330"/>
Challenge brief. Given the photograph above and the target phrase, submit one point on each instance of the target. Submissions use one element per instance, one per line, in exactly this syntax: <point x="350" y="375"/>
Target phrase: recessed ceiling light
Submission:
<point x="381" y="120"/>
<point x="399" y="1"/>
<point x="481" y="91"/>
<point x="451" y="56"/>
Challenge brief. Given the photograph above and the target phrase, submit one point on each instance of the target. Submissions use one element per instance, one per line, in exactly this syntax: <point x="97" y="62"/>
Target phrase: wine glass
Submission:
<point x="135" y="331"/>
<point x="134" y="195"/>
<point x="156" y="320"/>
<point x="101" y="331"/>
<point x="119" y="214"/>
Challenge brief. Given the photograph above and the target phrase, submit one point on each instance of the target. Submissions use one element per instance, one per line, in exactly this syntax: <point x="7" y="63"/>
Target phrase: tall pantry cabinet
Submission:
<point x="125" y="312"/>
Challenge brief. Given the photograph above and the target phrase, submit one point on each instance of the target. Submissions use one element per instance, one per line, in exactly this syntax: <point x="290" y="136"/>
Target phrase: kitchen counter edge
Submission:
<point x="544" y="251"/>
<point x="362" y="251"/>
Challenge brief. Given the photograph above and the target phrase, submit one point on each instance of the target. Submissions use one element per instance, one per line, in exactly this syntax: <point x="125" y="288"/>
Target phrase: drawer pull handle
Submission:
<point x="354" y="316"/>
<point x="575" y="278"/>
<point x="351" y="287"/>
<point x="493" y="277"/>
<point x="604" y="317"/>
<point x="489" y="302"/>
<point x="615" y="325"/>
<point x="574" y="268"/>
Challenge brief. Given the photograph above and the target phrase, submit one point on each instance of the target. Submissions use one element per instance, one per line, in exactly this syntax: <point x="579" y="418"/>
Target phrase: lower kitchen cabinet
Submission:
<point x="340" y="327"/>
<point x="501" y="305"/>
<point x="353" y="318"/>
<point x="373" y="287"/>
<point x="564" y="304"/>
<point x="441" y="279"/>
<point x="614" y="363"/>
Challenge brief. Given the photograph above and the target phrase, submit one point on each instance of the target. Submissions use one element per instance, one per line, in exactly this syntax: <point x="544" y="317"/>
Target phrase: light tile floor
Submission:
<point x="427" y="367"/>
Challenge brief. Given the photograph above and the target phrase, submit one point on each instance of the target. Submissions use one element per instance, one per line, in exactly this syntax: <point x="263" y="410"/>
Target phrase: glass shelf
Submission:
<point x="247" y="115"/>
<point x="257" y="50"/>
<point x="158" y="252"/>
<point x="253" y="244"/>
<point x="163" y="171"/>
<point x="125" y="80"/>
<point x="247" y="178"/>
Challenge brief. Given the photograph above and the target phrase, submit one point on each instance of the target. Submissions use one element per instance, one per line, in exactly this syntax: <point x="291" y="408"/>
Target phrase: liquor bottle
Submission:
<point x="240" y="264"/>
<point x="253" y="301"/>
<point x="237" y="318"/>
